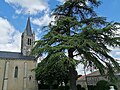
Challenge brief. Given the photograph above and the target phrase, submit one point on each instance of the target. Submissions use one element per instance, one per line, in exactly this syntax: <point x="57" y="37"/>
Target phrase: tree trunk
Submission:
<point x="50" y="87"/>
<point x="72" y="72"/>
<point x="86" y="86"/>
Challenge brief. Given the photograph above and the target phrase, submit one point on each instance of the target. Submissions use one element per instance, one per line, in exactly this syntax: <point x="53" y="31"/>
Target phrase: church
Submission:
<point x="16" y="68"/>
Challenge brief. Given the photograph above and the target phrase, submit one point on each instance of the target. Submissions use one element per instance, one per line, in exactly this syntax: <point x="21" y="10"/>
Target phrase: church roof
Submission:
<point x="15" y="55"/>
<point x="28" y="28"/>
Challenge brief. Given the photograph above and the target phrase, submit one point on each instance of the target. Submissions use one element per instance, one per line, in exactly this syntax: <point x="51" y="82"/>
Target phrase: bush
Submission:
<point x="102" y="85"/>
<point x="78" y="87"/>
<point x="42" y="86"/>
<point x="67" y="87"/>
<point x="63" y="88"/>
<point x="82" y="88"/>
<point x="91" y="87"/>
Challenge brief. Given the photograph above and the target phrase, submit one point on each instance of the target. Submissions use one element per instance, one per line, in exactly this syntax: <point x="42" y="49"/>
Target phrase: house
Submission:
<point x="91" y="79"/>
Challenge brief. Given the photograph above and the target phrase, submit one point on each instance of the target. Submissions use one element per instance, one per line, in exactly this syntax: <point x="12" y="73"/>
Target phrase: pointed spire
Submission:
<point x="28" y="28"/>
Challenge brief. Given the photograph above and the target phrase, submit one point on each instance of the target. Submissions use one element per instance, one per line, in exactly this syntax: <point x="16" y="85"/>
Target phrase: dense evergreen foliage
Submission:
<point x="52" y="71"/>
<point x="77" y="31"/>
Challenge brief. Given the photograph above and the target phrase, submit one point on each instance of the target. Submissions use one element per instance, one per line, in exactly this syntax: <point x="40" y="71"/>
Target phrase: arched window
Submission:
<point x="16" y="72"/>
<point x="29" y="41"/>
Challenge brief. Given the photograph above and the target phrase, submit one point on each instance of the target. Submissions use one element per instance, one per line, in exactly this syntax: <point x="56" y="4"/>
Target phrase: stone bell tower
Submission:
<point x="27" y="39"/>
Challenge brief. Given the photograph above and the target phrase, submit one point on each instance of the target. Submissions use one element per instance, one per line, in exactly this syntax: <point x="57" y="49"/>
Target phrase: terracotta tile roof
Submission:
<point x="95" y="73"/>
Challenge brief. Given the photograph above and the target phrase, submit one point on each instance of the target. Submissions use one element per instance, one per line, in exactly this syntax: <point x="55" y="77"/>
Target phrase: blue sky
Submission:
<point x="14" y="14"/>
<point x="10" y="11"/>
<point x="110" y="9"/>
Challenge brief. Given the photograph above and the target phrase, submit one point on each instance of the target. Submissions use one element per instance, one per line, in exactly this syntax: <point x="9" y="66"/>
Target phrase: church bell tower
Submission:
<point x="27" y="39"/>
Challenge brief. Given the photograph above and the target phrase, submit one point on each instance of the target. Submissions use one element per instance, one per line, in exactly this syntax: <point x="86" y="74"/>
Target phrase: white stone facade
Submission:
<point x="25" y="79"/>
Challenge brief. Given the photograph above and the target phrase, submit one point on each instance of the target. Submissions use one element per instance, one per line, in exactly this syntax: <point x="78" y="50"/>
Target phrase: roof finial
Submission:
<point x="29" y="12"/>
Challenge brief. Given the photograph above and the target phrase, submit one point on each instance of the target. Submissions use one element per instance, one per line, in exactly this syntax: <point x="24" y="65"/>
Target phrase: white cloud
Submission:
<point x="28" y="6"/>
<point x="118" y="53"/>
<point x="10" y="38"/>
<point x="43" y="21"/>
<point x="115" y="52"/>
<point x="62" y="1"/>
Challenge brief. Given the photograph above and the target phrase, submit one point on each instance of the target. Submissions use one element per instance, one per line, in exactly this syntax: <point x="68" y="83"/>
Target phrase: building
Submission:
<point x="16" y="68"/>
<point x="91" y="78"/>
<point x="94" y="77"/>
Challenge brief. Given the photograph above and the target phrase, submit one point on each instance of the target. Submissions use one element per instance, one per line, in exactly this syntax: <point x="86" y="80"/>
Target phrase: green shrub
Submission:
<point x="67" y="88"/>
<point x="82" y="88"/>
<point x="91" y="87"/>
<point x="78" y="87"/>
<point x="102" y="85"/>
<point x="61" y="88"/>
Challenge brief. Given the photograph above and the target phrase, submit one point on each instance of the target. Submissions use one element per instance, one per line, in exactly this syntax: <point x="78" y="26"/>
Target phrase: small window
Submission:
<point x="30" y="77"/>
<point x="16" y="72"/>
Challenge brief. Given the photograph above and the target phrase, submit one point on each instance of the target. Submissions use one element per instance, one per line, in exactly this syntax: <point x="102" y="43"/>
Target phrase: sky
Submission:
<point x="14" y="14"/>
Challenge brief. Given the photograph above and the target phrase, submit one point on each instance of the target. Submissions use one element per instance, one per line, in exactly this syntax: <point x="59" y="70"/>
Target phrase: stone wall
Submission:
<point x="23" y="81"/>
